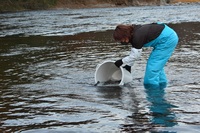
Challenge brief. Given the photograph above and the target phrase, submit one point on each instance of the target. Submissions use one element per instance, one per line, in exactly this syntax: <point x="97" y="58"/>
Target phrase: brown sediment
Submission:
<point x="175" y="1"/>
<point x="103" y="3"/>
<point x="114" y="3"/>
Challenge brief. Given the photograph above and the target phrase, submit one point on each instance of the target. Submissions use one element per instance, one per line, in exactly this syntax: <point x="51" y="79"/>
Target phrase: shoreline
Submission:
<point x="59" y="6"/>
<point x="186" y="35"/>
<point x="108" y="32"/>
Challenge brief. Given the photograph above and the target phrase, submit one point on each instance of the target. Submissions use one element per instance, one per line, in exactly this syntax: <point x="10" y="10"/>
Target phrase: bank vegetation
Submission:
<point x="20" y="5"/>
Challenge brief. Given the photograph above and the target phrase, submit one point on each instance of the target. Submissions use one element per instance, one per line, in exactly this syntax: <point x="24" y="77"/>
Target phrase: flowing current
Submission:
<point x="47" y="65"/>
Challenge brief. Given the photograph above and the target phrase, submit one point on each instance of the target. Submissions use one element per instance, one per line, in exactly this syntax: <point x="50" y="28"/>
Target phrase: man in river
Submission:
<point x="162" y="38"/>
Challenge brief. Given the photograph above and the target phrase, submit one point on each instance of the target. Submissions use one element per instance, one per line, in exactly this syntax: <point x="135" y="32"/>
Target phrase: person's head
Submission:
<point x="123" y="33"/>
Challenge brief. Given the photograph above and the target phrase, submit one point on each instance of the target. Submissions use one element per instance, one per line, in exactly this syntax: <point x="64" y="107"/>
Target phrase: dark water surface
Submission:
<point x="47" y="85"/>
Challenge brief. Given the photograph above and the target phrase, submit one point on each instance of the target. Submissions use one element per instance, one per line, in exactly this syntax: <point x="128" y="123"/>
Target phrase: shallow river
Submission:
<point x="47" y="65"/>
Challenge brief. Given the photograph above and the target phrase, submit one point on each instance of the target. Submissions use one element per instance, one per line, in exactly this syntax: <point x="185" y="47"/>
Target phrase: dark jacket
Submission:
<point x="143" y="34"/>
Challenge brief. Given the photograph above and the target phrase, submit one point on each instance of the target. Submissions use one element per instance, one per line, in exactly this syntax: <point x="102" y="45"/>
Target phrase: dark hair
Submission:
<point x="122" y="31"/>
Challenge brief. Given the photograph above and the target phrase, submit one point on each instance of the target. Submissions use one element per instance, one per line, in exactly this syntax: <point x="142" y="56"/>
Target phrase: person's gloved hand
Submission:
<point x="118" y="63"/>
<point x="128" y="68"/>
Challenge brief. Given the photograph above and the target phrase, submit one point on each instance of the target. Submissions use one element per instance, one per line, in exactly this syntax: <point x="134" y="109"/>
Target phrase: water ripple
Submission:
<point x="47" y="82"/>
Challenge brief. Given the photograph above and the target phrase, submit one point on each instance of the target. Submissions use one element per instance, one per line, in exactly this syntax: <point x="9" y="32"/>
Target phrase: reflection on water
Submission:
<point x="160" y="108"/>
<point x="159" y="115"/>
<point x="47" y="85"/>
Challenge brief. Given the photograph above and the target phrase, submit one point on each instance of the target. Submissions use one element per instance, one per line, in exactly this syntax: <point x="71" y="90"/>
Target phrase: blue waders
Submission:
<point x="163" y="47"/>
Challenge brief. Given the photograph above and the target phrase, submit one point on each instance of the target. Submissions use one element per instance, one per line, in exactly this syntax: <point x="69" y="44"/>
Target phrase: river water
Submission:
<point x="47" y="65"/>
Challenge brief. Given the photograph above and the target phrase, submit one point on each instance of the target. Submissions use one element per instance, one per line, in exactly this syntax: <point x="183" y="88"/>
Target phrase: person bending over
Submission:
<point x="161" y="37"/>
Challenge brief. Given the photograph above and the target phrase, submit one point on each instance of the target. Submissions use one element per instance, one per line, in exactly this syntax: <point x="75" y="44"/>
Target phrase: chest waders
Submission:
<point x="163" y="47"/>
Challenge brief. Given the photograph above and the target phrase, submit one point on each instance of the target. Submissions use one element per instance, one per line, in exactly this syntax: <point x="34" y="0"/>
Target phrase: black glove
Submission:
<point x="118" y="63"/>
<point x="128" y="68"/>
